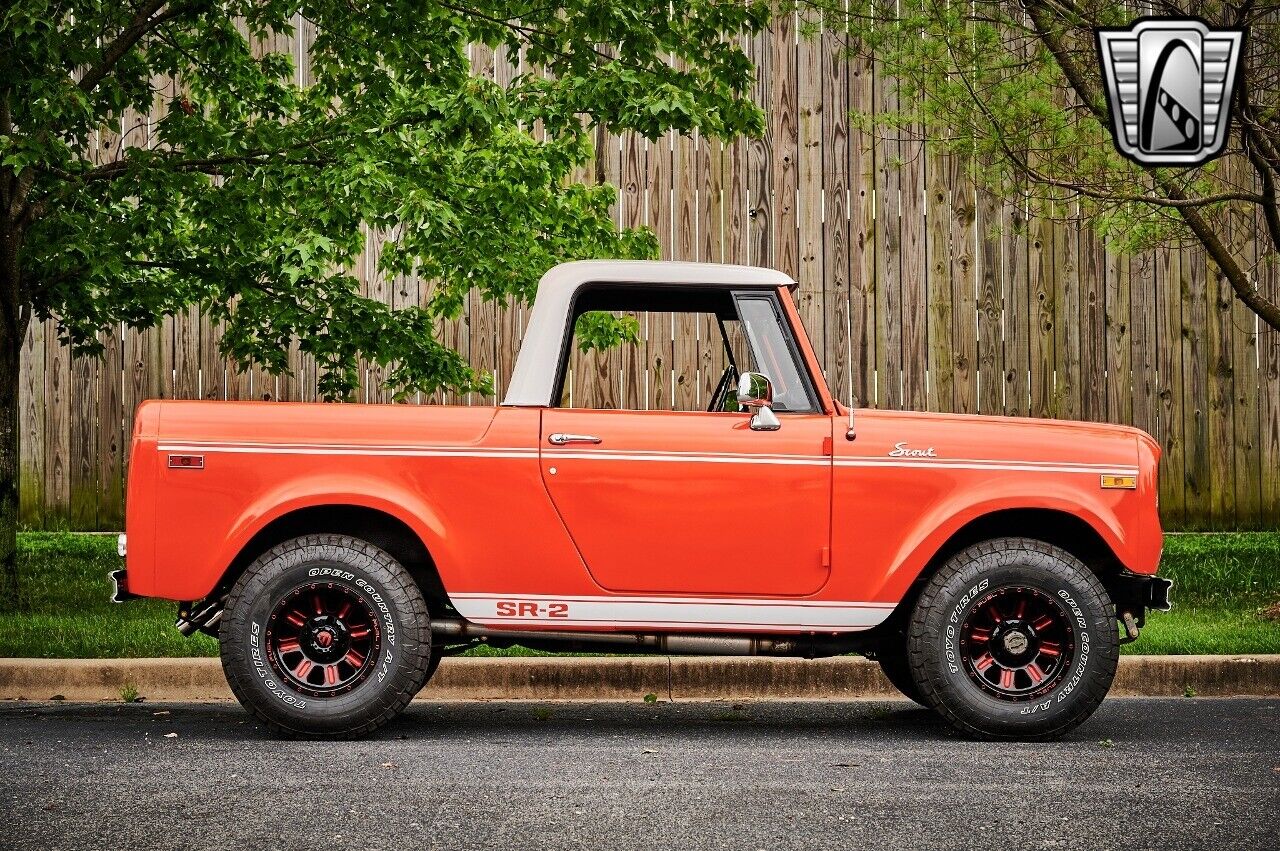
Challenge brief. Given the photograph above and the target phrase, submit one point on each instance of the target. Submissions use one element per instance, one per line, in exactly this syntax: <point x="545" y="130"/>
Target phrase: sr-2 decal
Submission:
<point x="526" y="609"/>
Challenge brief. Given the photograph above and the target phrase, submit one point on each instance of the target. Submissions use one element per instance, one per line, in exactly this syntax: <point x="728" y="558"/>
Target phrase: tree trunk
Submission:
<point x="10" y="357"/>
<point x="14" y="317"/>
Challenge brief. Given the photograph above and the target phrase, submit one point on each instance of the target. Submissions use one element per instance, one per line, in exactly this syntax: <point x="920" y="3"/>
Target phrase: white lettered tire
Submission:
<point x="1013" y="639"/>
<point x="327" y="636"/>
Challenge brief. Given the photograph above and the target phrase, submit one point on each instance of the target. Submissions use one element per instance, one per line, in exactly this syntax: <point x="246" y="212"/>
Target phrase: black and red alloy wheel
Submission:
<point x="1017" y="643"/>
<point x="323" y="639"/>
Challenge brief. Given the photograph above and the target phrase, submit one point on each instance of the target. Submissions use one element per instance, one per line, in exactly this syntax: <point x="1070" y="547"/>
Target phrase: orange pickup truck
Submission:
<point x="992" y="566"/>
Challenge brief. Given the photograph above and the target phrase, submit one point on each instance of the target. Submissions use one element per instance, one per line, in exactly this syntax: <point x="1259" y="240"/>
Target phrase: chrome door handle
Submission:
<point x="560" y="438"/>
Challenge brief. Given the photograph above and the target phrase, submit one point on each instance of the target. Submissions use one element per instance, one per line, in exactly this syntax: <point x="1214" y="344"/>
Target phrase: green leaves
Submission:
<point x="191" y="153"/>
<point x="599" y="330"/>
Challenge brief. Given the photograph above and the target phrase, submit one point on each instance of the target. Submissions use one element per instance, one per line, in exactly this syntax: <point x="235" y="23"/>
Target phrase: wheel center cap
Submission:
<point x="324" y="638"/>
<point x="1016" y="642"/>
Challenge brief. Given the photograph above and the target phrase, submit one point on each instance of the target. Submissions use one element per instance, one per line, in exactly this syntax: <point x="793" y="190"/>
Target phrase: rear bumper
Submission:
<point x="1136" y="592"/>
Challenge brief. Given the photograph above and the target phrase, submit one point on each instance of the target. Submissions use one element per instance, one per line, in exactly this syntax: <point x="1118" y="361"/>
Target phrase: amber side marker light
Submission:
<point x="1124" y="482"/>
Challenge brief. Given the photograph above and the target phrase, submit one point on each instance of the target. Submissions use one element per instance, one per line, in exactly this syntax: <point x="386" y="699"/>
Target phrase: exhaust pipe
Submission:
<point x="205" y="618"/>
<point x="672" y="643"/>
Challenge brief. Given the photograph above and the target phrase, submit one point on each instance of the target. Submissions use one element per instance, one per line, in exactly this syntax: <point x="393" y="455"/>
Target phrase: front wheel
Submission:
<point x="1013" y="639"/>
<point x="325" y="635"/>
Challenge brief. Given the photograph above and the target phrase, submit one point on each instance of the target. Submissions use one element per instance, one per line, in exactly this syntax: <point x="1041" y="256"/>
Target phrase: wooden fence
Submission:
<point x="918" y="291"/>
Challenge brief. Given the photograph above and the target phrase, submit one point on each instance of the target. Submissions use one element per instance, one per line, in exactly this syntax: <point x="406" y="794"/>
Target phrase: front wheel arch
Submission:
<point x="1060" y="529"/>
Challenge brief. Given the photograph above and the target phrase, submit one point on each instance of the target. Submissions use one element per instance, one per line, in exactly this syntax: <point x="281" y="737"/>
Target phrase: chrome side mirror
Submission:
<point x="755" y="393"/>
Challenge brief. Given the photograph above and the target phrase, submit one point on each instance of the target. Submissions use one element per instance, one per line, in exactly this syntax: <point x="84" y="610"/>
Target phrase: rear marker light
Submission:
<point x="1123" y="482"/>
<point x="186" y="462"/>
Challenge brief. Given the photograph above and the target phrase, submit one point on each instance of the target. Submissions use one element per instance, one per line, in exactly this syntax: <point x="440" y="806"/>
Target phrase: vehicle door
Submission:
<point x="695" y="501"/>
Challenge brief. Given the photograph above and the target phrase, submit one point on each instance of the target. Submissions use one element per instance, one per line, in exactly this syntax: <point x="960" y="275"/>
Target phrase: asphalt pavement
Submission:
<point x="1143" y="773"/>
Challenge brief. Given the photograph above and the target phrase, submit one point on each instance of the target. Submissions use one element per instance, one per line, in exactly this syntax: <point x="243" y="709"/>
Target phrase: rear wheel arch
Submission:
<point x="385" y="531"/>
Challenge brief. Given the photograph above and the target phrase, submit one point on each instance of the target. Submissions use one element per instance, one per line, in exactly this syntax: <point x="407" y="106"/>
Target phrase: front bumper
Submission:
<point x="120" y="587"/>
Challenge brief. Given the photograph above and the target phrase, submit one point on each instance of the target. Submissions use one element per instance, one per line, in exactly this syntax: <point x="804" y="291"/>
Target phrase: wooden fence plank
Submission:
<point x="1195" y="398"/>
<point x="784" y="135"/>
<point x="632" y="202"/>
<point x="887" y="212"/>
<point x="711" y="156"/>
<point x="810" y="203"/>
<point x="57" y="424"/>
<point x="83" y="448"/>
<point x="1066" y="323"/>
<point x="1220" y="413"/>
<point x="939" y="298"/>
<point x="1119" y="386"/>
<point x="1243" y="443"/>
<point x="963" y="275"/>
<point x="836" y="223"/>
<point x="760" y="158"/>
<point x="1020" y="313"/>
<point x="914" y="269"/>
<point x="862" y="240"/>
<point x="1144" y="320"/>
<point x="1168" y="284"/>
<point x="659" y="350"/>
<point x="1092" y="374"/>
<point x="684" y="246"/>
<point x="1043" y="270"/>
<point x="112" y="433"/>
<point x="990" y="306"/>
<point x="31" y="499"/>
<point x="509" y="316"/>
<point x="1268" y="273"/>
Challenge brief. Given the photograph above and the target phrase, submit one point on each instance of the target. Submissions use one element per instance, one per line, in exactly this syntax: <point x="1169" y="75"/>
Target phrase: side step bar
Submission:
<point x="699" y="644"/>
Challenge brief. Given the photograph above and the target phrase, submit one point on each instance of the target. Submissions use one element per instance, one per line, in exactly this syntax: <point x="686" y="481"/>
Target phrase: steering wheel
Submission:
<point x="728" y="379"/>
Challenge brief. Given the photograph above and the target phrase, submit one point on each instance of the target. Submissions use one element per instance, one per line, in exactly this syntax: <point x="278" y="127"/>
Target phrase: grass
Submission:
<point x="1221" y="584"/>
<point x="66" y="611"/>
<point x="1207" y="629"/>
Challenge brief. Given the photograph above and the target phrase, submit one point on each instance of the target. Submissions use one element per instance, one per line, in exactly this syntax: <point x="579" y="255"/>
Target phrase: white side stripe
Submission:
<point x="652" y="457"/>
<point x="376" y="451"/>
<point x="700" y="612"/>
<point x="1015" y="466"/>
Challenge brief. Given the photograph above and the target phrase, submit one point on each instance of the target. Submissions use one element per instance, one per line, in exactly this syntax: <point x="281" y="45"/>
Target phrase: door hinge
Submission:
<point x="827" y="449"/>
<point x="826" y="556"/>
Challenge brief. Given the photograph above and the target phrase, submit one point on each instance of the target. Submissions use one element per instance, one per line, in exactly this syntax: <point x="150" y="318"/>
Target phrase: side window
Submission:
<point x="688" y="351"/>
<point x="676" y="364"/>
<point x="774" y="353"/>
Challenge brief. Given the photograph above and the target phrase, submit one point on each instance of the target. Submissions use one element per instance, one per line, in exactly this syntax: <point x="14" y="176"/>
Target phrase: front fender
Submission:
<point x="936" y="526"/>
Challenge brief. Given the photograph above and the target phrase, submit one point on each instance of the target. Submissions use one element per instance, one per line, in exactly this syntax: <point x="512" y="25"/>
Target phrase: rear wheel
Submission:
<point x="1013" y="638"/>
<point x="894" y="666"/>
<point x="325" y="635"/>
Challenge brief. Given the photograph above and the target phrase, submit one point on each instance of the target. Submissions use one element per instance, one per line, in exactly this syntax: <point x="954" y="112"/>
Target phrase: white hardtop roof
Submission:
<point x="534" y="378"/>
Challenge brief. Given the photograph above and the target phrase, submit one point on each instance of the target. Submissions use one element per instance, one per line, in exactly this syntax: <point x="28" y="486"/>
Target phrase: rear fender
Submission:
<point x="313" y="492"/>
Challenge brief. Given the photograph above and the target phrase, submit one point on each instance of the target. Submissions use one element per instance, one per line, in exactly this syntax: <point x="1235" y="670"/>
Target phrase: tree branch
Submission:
<point x="142" y="23"/>
<point x="1269" y="203"/>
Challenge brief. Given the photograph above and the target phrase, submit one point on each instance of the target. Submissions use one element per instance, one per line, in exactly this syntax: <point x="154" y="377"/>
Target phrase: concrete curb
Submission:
<point x="587" y="678"/>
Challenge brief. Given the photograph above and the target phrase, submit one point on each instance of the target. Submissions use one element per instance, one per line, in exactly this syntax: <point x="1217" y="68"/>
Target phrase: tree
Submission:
<point x="1015" y="89"/>
<point x="239" y="182"/>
